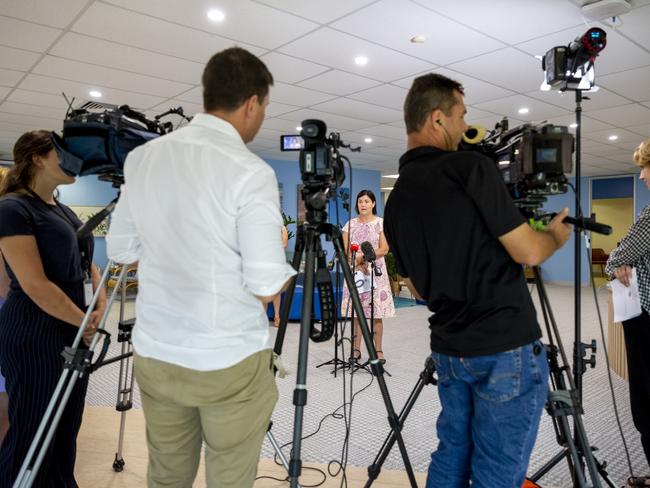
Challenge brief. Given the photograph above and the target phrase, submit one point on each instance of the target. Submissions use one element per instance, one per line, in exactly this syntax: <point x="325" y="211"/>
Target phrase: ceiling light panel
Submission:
<point x="326" y="45"/>
<point x="388" y="23"/>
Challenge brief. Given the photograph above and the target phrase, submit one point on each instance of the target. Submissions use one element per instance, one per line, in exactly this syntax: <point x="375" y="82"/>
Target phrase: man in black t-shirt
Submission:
<point x="460" y="241"/>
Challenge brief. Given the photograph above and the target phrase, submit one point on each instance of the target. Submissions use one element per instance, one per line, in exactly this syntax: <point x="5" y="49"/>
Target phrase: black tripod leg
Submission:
<point x="376" y="366"/>
<point x="300" y="393"/>
<point x="426" y="377"/>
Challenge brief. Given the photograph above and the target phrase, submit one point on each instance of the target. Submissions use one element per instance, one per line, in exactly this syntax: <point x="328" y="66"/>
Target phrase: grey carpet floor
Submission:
<point x="406" y="348"/>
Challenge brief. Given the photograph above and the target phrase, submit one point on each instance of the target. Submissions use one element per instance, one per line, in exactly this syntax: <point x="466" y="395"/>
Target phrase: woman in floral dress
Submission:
<point x="368" y="227"/>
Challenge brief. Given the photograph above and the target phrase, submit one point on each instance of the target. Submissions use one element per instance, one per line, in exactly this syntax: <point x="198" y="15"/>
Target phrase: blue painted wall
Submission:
<point x="89" y="191"/>
<point x="642" y="195"/>
<point x="560" y="266"/>
<point x="612" y="188"/>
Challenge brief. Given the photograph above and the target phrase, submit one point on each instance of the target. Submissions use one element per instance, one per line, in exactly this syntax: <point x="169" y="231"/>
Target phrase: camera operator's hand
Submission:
<point x="623" y="274"/>
<point x="560" y="231"/>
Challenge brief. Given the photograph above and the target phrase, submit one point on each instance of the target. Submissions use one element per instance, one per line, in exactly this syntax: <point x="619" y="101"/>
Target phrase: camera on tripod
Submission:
<point x="532" y="159"/>
<point x="321" y="165"/>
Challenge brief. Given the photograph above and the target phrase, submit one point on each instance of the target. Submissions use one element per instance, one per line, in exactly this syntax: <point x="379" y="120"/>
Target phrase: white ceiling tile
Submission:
<point x="603" y="98"/>
<point x="289" y="69"/>
<point x="276" y="108"/>
<point x="393" y="24"/>
<point x="593" y="147"/>
<point x="635" y="26"/>
<point x="283" y="126"/>
<point x="384" y="95"/>
<point x="385" y="134"/>
<point x="497" y="17"/>
<point x="131" y="28"/>
<point x="72" y="89"/>
<point x="189" y="109"/>
<point x="629" y="146"/>
<point x="321" y="12"/>
<point x="100" y="52"/>
<point x="57" y="14"/>
<point x="474" y="113"/>
<point x="642" y="130"/>
<point x="623" y="116"/>
<point x="623" y="136"/>
<point x="360" y="110"/>
<point x="295" y="95"/>
<point x="31" y="122"/>
<point x="339" y="50"/>
<point x="510" y="106"/>
<point x="632" y="84"/>
<point x="588" y="124"/>
<point x="41" y="99"/>
<point x="17" y="59"/>
<point x="195" y="95"/>
<point x="338" y="83"/>
<point x="619" y="54"/>
<point x="245" y="20"/>
<point x="10" y="77"/>
<point x="36" y="110"/>
<point x="113" y="78"/>
<point x="333" y="122"/>
<point x="508" y="68"/>
<point x="476" y="91"/>
<point x="4" y="90"/>
<point x="24" y="35"/>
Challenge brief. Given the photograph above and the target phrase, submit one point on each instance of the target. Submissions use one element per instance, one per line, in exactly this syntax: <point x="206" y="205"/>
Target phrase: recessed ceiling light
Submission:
<point x="391" y="176"/>
<point x="538" y="56"/>
<point x="418" y="39"/>
<point x="361" y="60"/>
<point x="216" y="15"/>
<point x="387" y="188"/>
<point x="573" y="126"/>
<point x="298" y="128"/>
<point x="368" y="140"/>
<point x="523" y="110"/>
<point x="95" y="94"/>
<point x="613" y="137"/>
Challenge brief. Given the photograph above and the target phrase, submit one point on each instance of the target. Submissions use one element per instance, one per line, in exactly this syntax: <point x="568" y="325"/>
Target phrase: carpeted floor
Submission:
<point x="406" y="348"/>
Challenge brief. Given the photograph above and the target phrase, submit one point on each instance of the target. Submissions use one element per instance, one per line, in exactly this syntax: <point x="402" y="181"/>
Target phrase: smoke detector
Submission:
<point x="604" y="9"/>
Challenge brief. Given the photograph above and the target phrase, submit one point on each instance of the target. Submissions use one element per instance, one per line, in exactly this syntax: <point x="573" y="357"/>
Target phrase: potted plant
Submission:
<point x="393" y="277"/>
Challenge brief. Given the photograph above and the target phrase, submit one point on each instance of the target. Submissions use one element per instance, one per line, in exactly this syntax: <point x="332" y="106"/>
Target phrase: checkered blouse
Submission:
<point x="634" y="250"/>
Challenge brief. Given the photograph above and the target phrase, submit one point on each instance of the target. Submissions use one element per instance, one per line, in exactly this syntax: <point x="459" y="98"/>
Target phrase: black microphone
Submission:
<point x="368" y="252"/>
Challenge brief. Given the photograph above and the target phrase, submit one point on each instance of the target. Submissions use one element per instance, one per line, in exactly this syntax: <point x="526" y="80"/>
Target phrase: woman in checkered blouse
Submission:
<point x="634" y="252"/>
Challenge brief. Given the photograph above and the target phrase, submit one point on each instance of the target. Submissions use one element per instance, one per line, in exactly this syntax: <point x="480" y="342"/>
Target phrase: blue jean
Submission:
<point x="491" y="407"/>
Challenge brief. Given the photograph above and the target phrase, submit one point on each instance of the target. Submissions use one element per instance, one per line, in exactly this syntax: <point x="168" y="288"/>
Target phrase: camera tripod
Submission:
<point x="308" y="242"/>
<point x="564" y="402"/>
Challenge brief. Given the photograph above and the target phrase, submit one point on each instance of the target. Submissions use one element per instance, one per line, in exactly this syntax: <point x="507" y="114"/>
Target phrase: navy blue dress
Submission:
<point x="31" y="341"/>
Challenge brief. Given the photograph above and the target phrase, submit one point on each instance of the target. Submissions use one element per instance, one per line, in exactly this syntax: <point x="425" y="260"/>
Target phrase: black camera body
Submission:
<point x="533" y="160"/>
<point x="321" y="166"/>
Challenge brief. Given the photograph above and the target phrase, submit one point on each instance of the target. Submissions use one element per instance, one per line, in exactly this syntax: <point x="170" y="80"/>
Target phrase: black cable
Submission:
<point x="604" y="342"/>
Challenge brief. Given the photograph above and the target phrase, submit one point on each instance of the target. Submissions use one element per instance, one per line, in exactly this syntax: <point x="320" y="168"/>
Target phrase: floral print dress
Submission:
<point x="359" y="232"/>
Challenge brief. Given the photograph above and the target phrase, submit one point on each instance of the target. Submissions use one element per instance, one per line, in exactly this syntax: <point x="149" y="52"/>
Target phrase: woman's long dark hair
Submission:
<point x="369" y="194"/>
<point x="21" y="175"/>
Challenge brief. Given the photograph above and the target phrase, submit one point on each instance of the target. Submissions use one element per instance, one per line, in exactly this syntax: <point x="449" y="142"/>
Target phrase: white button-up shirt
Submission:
<point x="201" y="214"/>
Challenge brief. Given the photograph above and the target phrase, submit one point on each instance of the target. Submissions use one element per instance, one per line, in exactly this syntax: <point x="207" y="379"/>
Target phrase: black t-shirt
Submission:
<point x="442" y="222"/>
<point x="54" y="228"/>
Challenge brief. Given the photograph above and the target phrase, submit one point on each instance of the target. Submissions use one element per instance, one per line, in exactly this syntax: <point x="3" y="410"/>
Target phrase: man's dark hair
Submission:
<point x="428" y="93"/>
<point x="231" y="77"/>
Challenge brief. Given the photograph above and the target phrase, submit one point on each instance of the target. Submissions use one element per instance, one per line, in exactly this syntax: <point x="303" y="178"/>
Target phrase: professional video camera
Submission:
<point x="98" y="136"/>
<point x="321" y="164"/>
<point x="572" y="67"/>
<point x="533" y="159"/>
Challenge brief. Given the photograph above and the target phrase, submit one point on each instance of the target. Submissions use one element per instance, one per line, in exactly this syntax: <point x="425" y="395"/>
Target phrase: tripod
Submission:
<point x="426" y="378"/>
<point x="564" y="401"/>
<point x="308" y="242"/>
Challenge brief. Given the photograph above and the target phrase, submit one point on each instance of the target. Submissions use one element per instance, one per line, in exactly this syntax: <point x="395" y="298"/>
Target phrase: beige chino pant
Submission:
<point x="228" y="409"/>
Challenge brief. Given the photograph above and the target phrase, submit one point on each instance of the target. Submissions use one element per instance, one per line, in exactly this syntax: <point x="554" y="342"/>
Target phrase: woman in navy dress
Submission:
<point x="47" y="267"/>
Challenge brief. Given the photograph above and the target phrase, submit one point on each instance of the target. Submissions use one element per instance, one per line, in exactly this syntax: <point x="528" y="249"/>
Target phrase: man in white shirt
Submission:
<point x="200" y="213"/>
